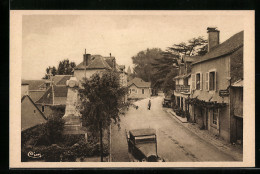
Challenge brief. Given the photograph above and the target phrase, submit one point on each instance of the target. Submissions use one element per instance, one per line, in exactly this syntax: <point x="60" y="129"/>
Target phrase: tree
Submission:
<point x="66" y="67"/>
<point x="54" y="72"/>
<point x="168" y="84"/>
<point x="101" y="102"/>
<point x="54" y="128"/>
<point x="194" y="47"/>
<point x="164" y="65"/>
<point x="142" y="63"/>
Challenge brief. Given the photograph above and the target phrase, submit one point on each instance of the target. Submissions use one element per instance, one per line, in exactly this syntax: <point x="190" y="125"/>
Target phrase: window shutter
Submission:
<point x="207" y="81"/>
<point x="193" y="84"/>
<point x="215" y="80"/>
<point x="201" y="81"/>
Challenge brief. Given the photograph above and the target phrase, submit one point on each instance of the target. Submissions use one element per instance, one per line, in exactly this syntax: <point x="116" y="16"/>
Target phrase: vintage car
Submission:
<point x="142" y="145"/>
<point x="166" y="102"/>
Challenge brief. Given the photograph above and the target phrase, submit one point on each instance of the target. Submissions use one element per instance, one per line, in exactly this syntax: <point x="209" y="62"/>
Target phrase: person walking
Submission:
<point x="149" y="105"/>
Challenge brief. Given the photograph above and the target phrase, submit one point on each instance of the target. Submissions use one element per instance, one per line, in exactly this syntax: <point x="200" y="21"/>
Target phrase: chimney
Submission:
<point x="86" y="59"/>
<point x="213" y="37"/>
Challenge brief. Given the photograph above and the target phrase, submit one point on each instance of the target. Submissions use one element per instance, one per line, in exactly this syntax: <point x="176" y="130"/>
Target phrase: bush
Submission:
<point x="69" y="140"/>
<point x="56" y="153"/>
<point x="54" y="129"/>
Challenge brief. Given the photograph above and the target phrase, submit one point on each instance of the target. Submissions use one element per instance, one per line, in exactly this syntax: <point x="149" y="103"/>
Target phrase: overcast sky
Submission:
<point x="48" y="39"/>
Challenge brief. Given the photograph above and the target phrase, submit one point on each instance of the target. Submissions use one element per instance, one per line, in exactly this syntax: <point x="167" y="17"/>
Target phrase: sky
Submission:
<point x="48" y="39"/>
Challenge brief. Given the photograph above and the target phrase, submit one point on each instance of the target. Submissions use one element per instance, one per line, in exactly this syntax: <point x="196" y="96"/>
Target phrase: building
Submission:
<point x="91" y="65"/>
<point x="211" y="79"/>
<point x="31" y="116"/>
<point x="139" y="89"/>
<point x="55" y="97"/>
<point x="97" y="64"/>
<point x="236" y="101"/>
<point x="24" y="89"/>
<point x="183" y="82"/>
<point x="34" y="88"/>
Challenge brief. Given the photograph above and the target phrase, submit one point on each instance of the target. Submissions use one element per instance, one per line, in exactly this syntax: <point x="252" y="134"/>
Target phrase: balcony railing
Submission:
<point x="182" y="88"/>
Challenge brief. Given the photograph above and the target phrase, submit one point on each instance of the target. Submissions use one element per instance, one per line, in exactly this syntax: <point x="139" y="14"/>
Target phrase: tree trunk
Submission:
<point x="101" y="142"/>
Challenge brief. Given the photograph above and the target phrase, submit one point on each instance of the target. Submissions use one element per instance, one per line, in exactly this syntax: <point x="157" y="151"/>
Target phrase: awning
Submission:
<point x="238" y="83"/>
<point x="182" y="76"/>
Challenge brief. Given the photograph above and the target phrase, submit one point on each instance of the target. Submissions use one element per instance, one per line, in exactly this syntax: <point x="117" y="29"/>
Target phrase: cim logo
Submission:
<point x="34" y="155"/>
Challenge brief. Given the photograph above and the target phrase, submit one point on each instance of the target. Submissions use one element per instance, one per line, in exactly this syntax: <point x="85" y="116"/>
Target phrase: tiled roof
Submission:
<point x="229" y="46"/>
<point x="182" y="76"/>
<point x="60" y="93"/>
<point x="110" y="60"/>
<point x="97" y="62"/>
<point x="139" y="83"/>
<point x="34" y="84"/>
<point x="191" y="58"/>
<point x="63" y="80"/>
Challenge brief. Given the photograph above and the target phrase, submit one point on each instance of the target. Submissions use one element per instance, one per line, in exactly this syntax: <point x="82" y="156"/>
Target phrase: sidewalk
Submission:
<point x="236" y="151"/>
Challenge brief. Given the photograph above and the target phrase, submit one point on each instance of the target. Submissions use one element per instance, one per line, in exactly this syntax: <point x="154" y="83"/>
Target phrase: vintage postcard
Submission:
<point x="132" y="89"/>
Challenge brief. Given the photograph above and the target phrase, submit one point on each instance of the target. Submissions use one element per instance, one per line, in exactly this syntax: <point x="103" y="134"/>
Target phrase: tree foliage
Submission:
<point x="163" y="70"/>
<point x="65" y="67"/>
<point x="142" y="63"/>
<point x="54" y="128"/>
<point x="101" y="102"/>
<point x="54" y="71"/>
<point x="193" y="47"/>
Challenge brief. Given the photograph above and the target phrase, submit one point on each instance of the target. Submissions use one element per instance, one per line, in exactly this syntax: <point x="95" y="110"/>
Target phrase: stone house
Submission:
<point x="31" y="115"/>
<point x="139" y="89"/>
<point x="211" y="79"/>
<point x="34" y="88"/>
<point x="55" y="97"/>
<point x="183" y="82"/>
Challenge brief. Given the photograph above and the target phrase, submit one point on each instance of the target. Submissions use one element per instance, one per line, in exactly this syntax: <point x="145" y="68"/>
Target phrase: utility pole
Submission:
<point x="85" y="61"/>
<point x="51" y="83"/>
<point x="110" y="156"/>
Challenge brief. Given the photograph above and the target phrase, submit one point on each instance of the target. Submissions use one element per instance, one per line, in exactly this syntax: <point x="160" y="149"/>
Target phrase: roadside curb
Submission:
<point x="183" y="120"/>
<point x="216" y="143"/>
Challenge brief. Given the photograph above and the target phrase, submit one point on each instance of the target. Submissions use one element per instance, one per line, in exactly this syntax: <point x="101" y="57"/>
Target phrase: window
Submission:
<point x="129" y="91"/>
<point x="215" y="116"/>
<point x="198" y="81"/>
<point x="142" y="91"/>
<point x="42" y="108"/>
<point x="134" y="90"/>
<point x="186" y="82"/>
<point x="212" y="81"/>
<point x="34" y="111"/>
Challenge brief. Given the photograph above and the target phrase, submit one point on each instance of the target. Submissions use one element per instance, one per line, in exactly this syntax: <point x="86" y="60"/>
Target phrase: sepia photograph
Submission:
<point x="125" y="88"/>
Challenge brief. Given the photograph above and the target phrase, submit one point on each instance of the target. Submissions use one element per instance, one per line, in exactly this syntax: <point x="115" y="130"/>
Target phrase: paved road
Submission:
<point x="175" y="142"/>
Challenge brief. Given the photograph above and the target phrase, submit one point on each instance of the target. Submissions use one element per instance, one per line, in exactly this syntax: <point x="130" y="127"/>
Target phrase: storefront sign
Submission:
<point x="223" y="93"/>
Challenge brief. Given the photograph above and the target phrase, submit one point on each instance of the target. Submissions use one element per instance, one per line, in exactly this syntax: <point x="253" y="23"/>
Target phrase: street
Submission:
<point x="175" y="142"/>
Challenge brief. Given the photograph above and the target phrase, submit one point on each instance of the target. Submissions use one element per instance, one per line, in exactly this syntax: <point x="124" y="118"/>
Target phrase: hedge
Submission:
<point x="56" y="153"/>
